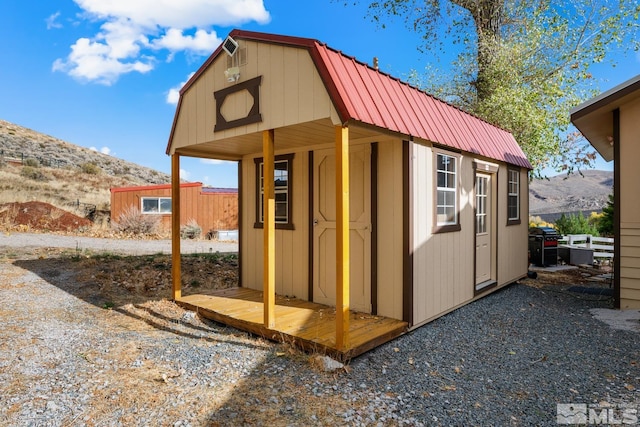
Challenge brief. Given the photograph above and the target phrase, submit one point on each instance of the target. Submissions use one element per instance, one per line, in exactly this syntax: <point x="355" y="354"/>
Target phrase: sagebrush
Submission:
<point x="191" y="230"/>
<point x="132" y="221"/>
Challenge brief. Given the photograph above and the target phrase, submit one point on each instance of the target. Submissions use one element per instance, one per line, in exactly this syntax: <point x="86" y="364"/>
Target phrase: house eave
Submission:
<point x="594" y="118"/>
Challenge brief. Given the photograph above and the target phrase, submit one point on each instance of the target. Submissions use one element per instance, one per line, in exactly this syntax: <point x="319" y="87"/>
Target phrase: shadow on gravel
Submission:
<point x="507" y="359"/>
<point x="139" y="287"/>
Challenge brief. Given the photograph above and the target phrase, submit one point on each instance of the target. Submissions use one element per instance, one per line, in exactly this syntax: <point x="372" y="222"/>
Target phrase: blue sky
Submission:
<point x="103" y="74"/>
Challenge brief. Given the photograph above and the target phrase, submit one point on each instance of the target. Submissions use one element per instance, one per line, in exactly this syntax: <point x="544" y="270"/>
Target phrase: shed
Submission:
<point x="611" y="123"/>
<point x="214" y="209"/>
<point x="376" y="205"/>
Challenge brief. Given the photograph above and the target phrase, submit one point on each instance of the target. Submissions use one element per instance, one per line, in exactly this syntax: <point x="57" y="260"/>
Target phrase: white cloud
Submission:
<point x="202" y="42"/>
<point x="98" y="62"/>
<point x="103" y="150"/>
<point x="216" y="162"/>
<point x="52" y="21"/>
<point x="174" y="93"/>
<point x="133" y="33"/>
<point x="184" y="174"/>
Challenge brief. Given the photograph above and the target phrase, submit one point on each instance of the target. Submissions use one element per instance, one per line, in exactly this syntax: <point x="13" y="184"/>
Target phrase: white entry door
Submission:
<point x="483" y="228"/>
<point x="324" y="233"/>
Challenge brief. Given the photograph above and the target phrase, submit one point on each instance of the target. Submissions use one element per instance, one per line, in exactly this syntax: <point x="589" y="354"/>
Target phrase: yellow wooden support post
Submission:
<point x="342" y="237"/>
<point x="176" y="288"/>
<point x="269" y="207"/>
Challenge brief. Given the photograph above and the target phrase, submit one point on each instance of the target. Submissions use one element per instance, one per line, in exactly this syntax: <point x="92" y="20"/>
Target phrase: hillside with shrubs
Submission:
<point x="39" y="167"/>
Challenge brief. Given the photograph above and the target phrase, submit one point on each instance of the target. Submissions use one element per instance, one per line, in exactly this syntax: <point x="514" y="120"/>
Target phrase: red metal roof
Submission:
<point x="363" y="94"/>
<point x="376" y="98"/>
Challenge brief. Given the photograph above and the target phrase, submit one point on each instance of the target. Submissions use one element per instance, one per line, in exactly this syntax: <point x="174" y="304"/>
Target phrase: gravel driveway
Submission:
<point x="133" y="247"/>
<point x="506" y="360"/>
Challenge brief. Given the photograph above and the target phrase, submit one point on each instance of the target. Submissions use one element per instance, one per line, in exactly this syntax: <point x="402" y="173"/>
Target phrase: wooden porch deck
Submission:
<point x="307" y="325"/>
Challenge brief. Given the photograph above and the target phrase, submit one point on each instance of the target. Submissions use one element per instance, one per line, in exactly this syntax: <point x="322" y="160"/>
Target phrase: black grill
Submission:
<point x="543" y="246"/>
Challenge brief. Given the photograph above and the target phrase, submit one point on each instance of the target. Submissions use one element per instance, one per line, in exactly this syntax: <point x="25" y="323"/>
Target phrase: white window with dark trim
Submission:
<point x="282" y="189"/>
<point x="446" y="190"/>
<point x="482" y="191"/>
<point x="513" y="196"/>
<point x="156" y="205"/>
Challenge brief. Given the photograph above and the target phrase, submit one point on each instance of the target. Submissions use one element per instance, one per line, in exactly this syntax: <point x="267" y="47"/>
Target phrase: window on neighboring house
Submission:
<point x="446" y="193"/>
<point x="156" y="205"/>
<point x="282" y="188"/>
<point x="513" y="197"/>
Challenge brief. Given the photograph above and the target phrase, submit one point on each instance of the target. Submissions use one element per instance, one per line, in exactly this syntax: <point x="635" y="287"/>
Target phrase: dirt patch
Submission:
<point x="110" y="281"/>
<point x="583" y="277"/>
<point x="40" y="216"/>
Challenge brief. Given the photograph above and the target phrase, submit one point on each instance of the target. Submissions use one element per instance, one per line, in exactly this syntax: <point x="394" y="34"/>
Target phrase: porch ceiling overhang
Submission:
<point x="289" y="138"/>
<point x="594" y="118"/>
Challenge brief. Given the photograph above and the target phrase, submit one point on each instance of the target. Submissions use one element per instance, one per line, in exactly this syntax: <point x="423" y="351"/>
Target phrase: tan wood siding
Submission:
<point x="292" y="252"/>
<point x="390" y="226"/>
<point x="512" y="239"/>
<point x="291" y="92"/>
<point x="443" y="262"/>
<point x="629" y="296"/>
<point x="212" y="211"/>
<point x="629" y="265"/>
<point x="630" y="272"/>
<point x="629" y="205"/>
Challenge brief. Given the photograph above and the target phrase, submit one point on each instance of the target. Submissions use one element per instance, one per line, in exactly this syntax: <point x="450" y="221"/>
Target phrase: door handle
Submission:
<point x="315" y="221"/>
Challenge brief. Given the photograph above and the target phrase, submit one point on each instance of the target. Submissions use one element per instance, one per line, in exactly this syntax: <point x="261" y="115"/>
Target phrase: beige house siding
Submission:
<point x="291" y="92"/>
<point x="292" y="248"/>
<point x="512" y="239"/>
<point x="390" y="229"/>
<point x="442" y="263"/>
<point x="629" y="205"/>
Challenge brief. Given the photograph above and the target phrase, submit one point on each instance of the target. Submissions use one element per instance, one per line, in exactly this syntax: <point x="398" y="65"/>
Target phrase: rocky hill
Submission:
<point x="39" y="167"/>
<point x="589" y="192"/>
<point x="22" y="143"/>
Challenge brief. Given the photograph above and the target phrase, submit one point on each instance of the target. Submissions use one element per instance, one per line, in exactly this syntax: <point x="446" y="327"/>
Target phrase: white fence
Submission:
<point x="602" y="246"/>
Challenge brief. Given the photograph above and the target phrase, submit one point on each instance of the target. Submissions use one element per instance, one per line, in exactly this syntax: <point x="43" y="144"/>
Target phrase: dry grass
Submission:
<point x="8" y="221"/>
<point x="79" y="178"/>
<point x="69" y="190"/>
<point x="64" y="190"/>
<point x="131" y="220"/>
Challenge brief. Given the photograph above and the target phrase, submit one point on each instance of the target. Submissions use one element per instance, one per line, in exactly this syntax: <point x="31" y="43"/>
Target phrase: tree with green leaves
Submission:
<point x="605" y="223"/>
<point x="522" y="64"/>
<point x="575" y="224"/>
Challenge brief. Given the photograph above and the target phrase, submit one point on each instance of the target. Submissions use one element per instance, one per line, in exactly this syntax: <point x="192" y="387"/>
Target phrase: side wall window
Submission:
<point x="447" y="197"/>
<point x="513" y="196"/>
<point x="282" y="175"/>
<point x="156" y="205"/>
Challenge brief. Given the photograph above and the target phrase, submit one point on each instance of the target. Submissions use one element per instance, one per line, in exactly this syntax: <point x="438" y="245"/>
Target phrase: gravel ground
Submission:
<point x="506" y="360"/>
<point x="133" y="247"/>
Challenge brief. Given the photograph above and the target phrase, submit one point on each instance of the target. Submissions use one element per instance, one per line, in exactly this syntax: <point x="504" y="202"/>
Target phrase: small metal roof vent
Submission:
<point x="230" y="46"/>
